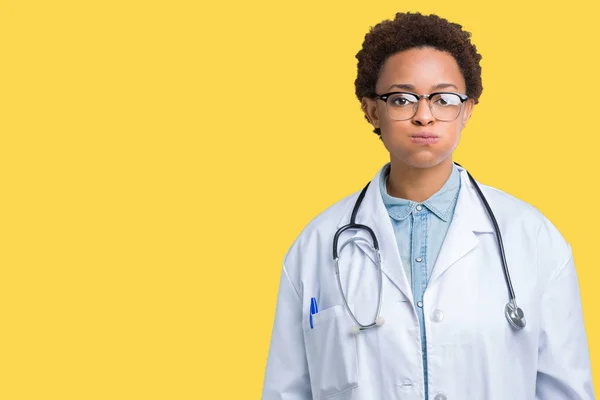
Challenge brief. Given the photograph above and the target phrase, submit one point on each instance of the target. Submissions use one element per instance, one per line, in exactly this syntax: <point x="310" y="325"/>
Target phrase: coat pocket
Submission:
<point x="332" y="354"/>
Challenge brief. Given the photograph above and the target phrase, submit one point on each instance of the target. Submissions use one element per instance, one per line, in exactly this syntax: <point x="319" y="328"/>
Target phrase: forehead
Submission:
<point x="422" y="68"/>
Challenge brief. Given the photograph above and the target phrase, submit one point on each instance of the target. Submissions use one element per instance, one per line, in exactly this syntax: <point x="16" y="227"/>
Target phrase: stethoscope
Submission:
<point x="514" y="314"/>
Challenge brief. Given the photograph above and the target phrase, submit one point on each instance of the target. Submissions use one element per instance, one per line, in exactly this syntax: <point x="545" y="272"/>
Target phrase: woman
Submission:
<point x="446" y="319"/>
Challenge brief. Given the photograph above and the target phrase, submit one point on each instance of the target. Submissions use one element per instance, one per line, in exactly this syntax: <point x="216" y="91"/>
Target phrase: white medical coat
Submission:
<point x="472" y="351"/>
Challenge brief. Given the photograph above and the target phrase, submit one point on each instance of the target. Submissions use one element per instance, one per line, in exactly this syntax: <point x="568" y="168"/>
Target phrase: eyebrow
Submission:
<point x="407" y="86"/>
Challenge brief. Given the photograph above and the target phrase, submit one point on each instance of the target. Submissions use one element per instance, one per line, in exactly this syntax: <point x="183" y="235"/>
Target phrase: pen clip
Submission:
<point x="314" y="308"/>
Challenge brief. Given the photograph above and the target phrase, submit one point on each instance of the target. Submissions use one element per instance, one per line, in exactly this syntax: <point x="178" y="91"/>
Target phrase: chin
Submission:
<point x="423" y="160"/>
<point x="416" y="156"/>
<point x="424" y="165"/>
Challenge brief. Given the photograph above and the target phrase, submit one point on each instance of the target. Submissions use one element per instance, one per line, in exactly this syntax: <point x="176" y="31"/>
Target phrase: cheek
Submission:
<point x="452" y="131"/>
<point x="452" y="139"/>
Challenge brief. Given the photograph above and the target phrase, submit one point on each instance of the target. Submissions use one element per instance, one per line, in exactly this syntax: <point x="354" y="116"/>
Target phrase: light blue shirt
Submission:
<point x="420" y="229"/>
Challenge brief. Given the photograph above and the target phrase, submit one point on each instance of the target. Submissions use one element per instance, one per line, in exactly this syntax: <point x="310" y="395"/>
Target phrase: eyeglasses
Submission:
<point x="444" y="106"/>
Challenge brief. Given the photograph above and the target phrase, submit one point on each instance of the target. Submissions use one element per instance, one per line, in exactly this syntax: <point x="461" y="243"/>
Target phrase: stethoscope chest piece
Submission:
<point x="515" y="315"/>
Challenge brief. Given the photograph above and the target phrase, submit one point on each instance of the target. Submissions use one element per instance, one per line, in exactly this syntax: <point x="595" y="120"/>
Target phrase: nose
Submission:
<point x="423" y="115"/>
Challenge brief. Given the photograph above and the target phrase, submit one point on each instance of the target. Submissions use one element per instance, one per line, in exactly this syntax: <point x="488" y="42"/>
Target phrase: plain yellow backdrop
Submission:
<point x="158" y="158"/>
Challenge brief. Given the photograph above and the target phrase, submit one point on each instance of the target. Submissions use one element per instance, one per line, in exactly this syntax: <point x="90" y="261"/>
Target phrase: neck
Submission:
<point x="417" y="184"/>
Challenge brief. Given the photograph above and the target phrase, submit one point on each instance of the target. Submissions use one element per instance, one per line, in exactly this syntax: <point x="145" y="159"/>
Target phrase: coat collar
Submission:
<point x="469" y="217"/>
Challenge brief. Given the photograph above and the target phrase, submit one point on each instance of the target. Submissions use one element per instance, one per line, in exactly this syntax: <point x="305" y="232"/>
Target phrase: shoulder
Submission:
<point x="321" y="228"/>
<point x="519" y="216"/>
<point x="512" y="206"/>
<point x="511" y="209"/>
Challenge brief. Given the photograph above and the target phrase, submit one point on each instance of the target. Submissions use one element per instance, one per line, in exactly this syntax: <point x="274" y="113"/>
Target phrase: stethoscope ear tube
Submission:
<point x="354" y="225"/>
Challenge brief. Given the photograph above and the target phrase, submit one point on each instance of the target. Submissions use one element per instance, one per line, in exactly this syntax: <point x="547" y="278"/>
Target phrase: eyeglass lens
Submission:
<point x="443" y="106"/>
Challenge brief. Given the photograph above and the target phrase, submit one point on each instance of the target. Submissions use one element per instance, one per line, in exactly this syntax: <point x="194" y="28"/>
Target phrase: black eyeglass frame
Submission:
<point x="385" y="96"/>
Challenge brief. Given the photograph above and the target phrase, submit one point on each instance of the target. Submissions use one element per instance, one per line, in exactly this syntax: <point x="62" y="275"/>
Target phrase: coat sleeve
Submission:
<point x="564" y="370"/>
<point x="286" y="376"/>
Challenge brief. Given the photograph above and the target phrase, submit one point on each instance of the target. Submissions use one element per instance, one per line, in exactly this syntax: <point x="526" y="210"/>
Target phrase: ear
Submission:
<point x="467" y="110"/>
<point x="369" y="107"/>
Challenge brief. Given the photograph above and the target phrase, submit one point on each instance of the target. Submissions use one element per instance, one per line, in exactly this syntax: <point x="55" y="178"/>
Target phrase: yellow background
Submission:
<point x="158" y="158"/>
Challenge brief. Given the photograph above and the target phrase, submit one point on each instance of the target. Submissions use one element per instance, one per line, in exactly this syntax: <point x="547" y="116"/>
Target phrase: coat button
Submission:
<point x="405" y="383"/>
<point x="440" y="396"/>
<point x="437" y="316"/>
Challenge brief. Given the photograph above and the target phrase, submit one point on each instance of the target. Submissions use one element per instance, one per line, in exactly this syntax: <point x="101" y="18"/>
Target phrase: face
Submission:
<point x="421" y="71"/>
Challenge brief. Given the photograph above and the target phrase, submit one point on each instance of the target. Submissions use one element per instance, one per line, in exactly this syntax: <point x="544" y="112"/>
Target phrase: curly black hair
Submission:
<point x="414" y="30"/>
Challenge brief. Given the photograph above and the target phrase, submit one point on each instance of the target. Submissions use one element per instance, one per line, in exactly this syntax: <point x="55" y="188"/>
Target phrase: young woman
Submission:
<point x="427" y="284"/>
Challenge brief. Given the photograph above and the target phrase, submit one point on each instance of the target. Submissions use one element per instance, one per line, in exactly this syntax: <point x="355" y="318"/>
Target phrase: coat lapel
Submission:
<point x="469" y="217"/>
<point x="373" y="214"/>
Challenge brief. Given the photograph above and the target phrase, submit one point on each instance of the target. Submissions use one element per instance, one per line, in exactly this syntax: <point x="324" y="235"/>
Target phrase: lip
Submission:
<point x="424" y="138"/>
<point x="425" y="135"/>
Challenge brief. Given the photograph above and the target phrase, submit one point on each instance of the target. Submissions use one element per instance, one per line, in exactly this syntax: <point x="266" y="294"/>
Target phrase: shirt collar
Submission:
<point x="440" y="203"/>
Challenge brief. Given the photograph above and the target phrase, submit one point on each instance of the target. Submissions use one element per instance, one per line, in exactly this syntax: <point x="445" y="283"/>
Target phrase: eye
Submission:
<point x="401" y="100"/>
<point x="398" y="101"/>
<point x="446" y="100"/>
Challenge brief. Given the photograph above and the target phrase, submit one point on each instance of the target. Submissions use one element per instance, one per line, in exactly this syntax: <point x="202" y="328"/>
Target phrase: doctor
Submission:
<point x="435" y="313"/>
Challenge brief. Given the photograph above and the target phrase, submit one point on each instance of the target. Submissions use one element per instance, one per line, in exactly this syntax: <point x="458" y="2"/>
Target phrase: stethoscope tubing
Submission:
<point x="511" y="291"/>
<point x="513" y="313"/>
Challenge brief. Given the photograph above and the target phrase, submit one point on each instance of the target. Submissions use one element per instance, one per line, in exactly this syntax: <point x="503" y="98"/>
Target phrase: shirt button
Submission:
<point x="440" y="396"/>
<point x="437" y="316"/>
<point x="419" y="207"/>
<point x="418" y="259"/>
<point x="420" y="304"/>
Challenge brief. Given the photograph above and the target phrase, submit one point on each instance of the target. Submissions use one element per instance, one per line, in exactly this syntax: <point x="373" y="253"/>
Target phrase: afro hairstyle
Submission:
<point x="414" y="30"/>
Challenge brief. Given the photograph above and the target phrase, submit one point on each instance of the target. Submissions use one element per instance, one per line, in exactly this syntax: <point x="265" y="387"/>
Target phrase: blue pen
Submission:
<point x="314" y="308"/>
